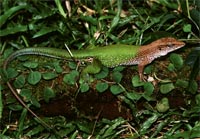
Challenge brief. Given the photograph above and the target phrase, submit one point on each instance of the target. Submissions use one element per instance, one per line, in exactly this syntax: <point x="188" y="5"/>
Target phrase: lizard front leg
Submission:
<point x="92" y="68"/>
<point x="140" y="70"/>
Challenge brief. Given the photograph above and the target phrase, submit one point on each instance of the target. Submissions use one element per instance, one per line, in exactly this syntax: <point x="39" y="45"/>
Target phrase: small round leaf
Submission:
<point x="171" y="67"/>
<point x="72" y="65"/>
<point x="193" y="87"/>
<point x="176" y="60"/>
<point x="166" y="88"/>
<point x="19" y="82"/>
<point x="187" y="28"/>
<point x="11" y="72"/>
<point x="116" y="89"/>
<point x="34" y="77"/>
<point x="149" y="88"/>
<point x="119" y="68"/>
<point x="181" y="83"/>
<point x="117" y="76"/>
<point x="134" y="96"/>
<point x="71" y="77"/>
<point x="30" y="64"/>
<point x="101" y="87"/>
<point x="26" y="93"/>
<point x="163" y="105"/>
<point x="84" y="87"/>
<point x="136" y="81"/>
<point x="57" y="67"/>
<point x="48" y="94"/>
<point x="35" y="102"/>
<point x="49" y="75"/>
<point x="102" y="74"/>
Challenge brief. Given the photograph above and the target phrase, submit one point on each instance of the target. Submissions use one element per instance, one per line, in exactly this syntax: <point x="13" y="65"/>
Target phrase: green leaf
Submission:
<point x="171" y="67"/>
<point x="136" y="81"/>
<point x="34" y="77"/>
<point x="89" y="19"/>
<point x="197" y="99"/>
<point x="187" y="28"/>
<point x="163" y="105"/>
<point x="166" y="88"/>
<point x="11" y="72"/>
<point x="195" y="16"/>
<point x="84" y="87"/>
<point x="101" y="87"/>
<point x="1" y="103"/>
<point x="119" y="68"/>
<point x="30" y="64"/>
<point x="71" y="77"/>
<point x="133" y="96"/>
<point x="26" y="93"/>
<point x="35" y="130"/>
<point x="21" y="121"/>
<point x="11" y="11"/>
<point x="44" y="31"/>
<point x="117" y="76"/>
<point x="48" y="94"/>
<point x="7" y="52"/>
<point x="13" y="30"/>
<point x="49" y="75"/>
<point x="149" y="88"/>
<point x="72" y="65"/>
<point x="193" y="133"/>
<point x="176" y="60"/>
<point x="35" y="102"/>
<point x="19" y="82"/>
<point x="102" y="74"/>
<point x="193" y="60"/>
<point x="57" y="67"/>
<point x="116" y="89"/>
<point x="84" y="127"/>
<point x="68" y="130"/>
<point x="60" y="8"/>
<point x="169" y="4"/>
<point x="166" y="18"/>
<point x="181" y="83"/>
<point x="112" y="127"/>
<point x="146" y="125"/>
<point x="15" y="107"/>
<point x="193" y="87"/>
<point x="116" y="19"/>
<point x="148" y="69"/>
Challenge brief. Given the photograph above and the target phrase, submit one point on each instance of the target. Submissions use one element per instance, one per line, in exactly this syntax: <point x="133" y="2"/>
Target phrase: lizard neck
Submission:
<point x="147" y="53"/>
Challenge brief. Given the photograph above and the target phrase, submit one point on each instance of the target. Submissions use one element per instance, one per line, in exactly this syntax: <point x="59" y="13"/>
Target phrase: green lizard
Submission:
<point x="109" y="56"/>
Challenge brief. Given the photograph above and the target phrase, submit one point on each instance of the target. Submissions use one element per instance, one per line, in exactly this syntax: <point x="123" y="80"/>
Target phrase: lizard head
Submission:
<point x="167" y="45"/>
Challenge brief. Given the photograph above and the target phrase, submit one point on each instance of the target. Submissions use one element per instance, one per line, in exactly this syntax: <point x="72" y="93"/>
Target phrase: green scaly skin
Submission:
<point x="109" y="56"/>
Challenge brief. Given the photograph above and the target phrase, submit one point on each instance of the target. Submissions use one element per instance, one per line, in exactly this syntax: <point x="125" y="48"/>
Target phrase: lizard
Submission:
<point x="109" y="56"/>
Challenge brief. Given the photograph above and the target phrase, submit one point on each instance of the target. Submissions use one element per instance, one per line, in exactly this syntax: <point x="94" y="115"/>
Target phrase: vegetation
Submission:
<point x="112" y="103"/>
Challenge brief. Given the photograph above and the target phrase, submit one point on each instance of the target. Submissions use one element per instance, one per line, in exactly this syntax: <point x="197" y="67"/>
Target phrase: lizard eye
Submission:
<point x="169" y="45"/>
<point x="160" y="48"/>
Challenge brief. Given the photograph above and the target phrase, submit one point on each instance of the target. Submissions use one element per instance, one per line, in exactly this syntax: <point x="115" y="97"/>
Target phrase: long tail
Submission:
<point x="26" y="51"/>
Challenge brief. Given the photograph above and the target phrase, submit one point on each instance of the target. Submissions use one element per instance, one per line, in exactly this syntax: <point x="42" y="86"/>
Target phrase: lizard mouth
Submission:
<point x="180" y="44"/>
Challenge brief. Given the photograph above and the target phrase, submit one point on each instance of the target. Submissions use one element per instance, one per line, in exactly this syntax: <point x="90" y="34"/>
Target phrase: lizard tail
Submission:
<point x="26" y="51"/>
